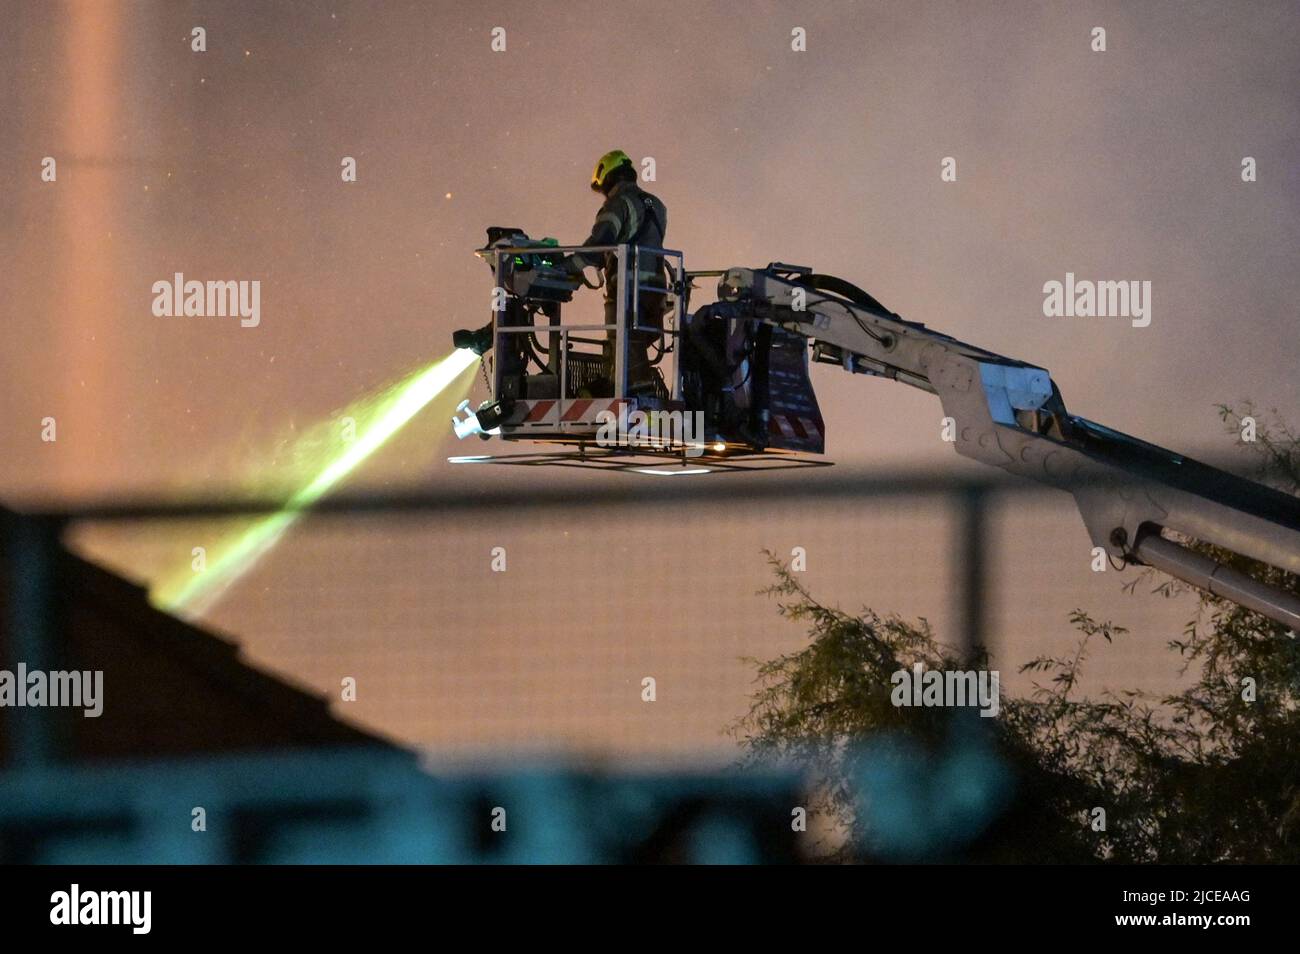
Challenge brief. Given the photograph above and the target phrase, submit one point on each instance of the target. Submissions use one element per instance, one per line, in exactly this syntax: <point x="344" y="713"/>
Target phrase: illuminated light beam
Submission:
<point x="386" y="415"/>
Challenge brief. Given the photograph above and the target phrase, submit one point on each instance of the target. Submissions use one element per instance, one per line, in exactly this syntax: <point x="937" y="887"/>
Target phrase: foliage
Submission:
<point x="1203" y="775"/>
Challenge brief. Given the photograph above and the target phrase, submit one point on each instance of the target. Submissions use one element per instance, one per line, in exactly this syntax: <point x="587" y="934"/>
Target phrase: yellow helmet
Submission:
<point x="607" y="164"/>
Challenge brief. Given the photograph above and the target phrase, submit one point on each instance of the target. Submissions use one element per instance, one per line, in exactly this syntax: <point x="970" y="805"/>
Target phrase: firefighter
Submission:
<point x="633" y="216"/>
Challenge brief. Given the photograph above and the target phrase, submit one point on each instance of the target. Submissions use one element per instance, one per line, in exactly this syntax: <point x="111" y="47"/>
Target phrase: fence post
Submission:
<point x="970" y="568"/>
<point x="29" y="559"/>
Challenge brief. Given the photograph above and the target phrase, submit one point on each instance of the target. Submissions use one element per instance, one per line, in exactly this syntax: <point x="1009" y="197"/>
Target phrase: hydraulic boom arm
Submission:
<point x="1010" y="414"/>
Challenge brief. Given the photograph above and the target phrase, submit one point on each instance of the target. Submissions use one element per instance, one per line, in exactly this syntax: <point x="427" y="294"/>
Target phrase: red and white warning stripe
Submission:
<point x="576" y="410"/>
<point x="794" y="428"/>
